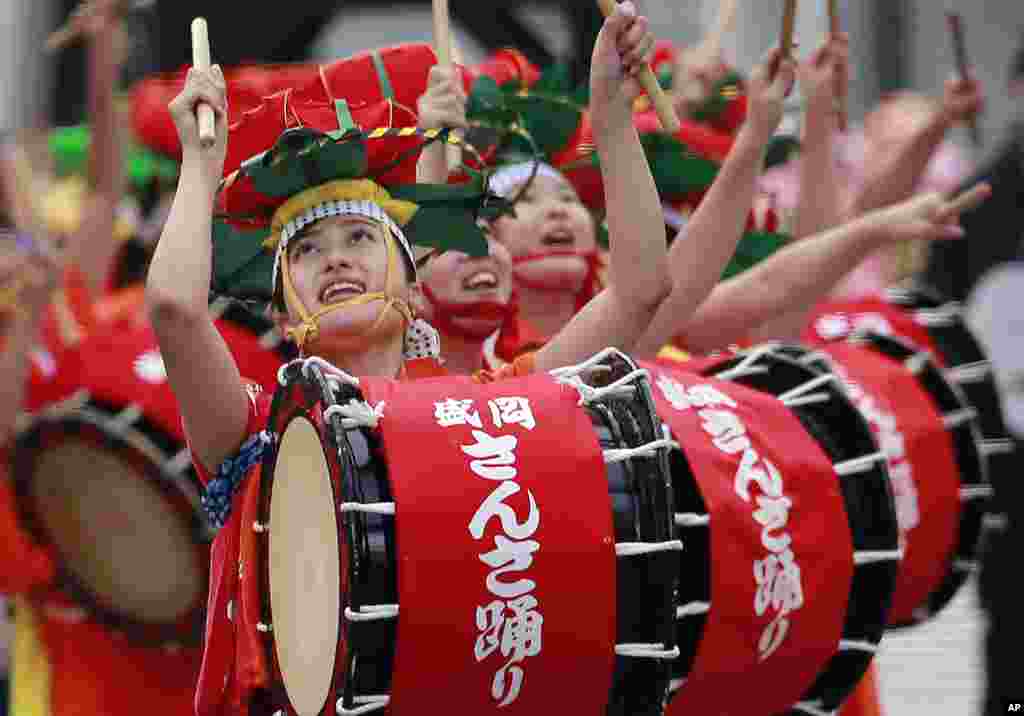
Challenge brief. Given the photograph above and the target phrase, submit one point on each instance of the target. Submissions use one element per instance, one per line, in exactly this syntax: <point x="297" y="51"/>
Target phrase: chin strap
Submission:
<point x="445" y="313"/>
<point x="309" y="329"/>
<point x="590" y="286"/>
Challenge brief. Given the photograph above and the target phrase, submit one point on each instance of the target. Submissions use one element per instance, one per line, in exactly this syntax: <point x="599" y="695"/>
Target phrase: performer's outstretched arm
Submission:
<point x="201" y="369"/>
<point x="900" y="171"/>
<point x="639" y="279"/>
<point x="94" y="246"/>
<point x="697" y="259"/>
<point x="785" y="286"/>
<point x="820" y="204"/>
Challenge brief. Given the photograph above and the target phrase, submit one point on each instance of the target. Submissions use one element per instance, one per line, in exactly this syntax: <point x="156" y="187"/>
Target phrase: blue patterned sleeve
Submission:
<point x="220" y="491"/>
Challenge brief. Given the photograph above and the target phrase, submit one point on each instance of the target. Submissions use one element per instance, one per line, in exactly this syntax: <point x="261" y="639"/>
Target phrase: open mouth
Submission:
<point x="341" y="290"/>
<point x="481" y="281"/>
<point x="559" y="238"/>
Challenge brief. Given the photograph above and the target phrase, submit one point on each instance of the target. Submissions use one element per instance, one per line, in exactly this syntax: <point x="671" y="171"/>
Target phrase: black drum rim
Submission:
<point x="967" y="448"/>
<point x="845" y="669"/>
<point x="151" y="450"/>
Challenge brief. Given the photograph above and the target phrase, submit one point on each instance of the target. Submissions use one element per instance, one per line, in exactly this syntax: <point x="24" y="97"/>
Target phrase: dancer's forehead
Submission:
<point x="547" y="185"/>
<point x="344" y="221"/>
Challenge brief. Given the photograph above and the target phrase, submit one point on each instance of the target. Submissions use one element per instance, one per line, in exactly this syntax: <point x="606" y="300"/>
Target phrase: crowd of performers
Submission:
<point x="398" y="217"/>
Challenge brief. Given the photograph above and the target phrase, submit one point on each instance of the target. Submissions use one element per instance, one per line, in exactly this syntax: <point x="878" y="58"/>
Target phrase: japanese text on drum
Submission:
<point x="778" y="574"/>
<point x="512" y="623"/>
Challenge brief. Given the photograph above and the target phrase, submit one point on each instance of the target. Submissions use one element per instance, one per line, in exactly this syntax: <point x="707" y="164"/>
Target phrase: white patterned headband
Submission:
<point x="506" y="180"/>
<point x="361" y="207"/>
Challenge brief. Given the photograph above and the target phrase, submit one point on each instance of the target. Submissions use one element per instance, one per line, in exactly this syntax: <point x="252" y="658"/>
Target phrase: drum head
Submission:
<point x="109" y="523"/>
<point x="304" y="568"/>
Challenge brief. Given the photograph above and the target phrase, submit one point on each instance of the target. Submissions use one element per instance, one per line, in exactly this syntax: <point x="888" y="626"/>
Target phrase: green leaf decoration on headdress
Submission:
<point x="448" y="215"/>
<point x="549" y="111"/>
<point x="676" y="169"/>
<point x="752" y="249"/>
<point x="724" y="91"/>
<point x="446" y="218"/>
<point x="69" y="147"/>
<point x="302" y="158"/>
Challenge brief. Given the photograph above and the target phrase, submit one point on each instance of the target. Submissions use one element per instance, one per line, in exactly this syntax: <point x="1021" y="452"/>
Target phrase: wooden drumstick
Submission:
<point x="662" y="105"/>
<point x="788" y="26"/>
<point x="835" y="27"/>
<point x="201" y="61"/>
<point x="712" y="44"/>
<point x="710" y="48"/>
<point x="446" y="53"/>
<point x="956" y="29"/>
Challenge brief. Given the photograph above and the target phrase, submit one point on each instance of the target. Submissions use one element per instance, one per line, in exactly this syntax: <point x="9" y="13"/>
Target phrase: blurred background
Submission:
<point x="896" y="44"/>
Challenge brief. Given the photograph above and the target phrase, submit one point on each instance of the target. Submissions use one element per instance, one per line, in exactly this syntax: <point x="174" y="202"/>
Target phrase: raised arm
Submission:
<point x="201" y="369"/>
<point x="697" y="259"/>
<point x="782" y="288"/>
<point x="443" y="105"/>
<point x="638" y="280"/>
<point x="820" y="204"/>
<point x="94" y="247"/>
<point x="895" y="176"/>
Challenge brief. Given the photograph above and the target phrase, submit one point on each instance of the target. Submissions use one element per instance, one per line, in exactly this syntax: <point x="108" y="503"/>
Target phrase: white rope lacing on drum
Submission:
<point x="372" y="613"/>
<point x="857" y="465"/>
<point x="180" y="462"/>
<point x="612" y="455"/>
<point x="811" y="708"/>
<point x="647" y="651"/>
<point x="125" y="419"/>
<point x="370" y="508"/>
<point x="808" y="400"/>
<point x="588" y="364"/>
<point x="589" y="394"/>
<point x="746" y="365"/>
<point x="691" y="519"/>
<point x="995" y="522"/>
<point x="633" y="549"/>
<point x="959" y="417"/>
<point x="332" y="370"/>
<point x="692" y="609"/>
<point x="899" y="295"/>
<point x="970" y="372"/>
<point x="917" y="362"/>
<point x="944" y="315"/>
<point x="997" y="446"/>
<point x="976" y="492"/>
<point x="366" y="704"/>
<point x="815" y="357"/>
<point x="357" y="414"/>
<point x="965" y="566"/>
<point x="875" y="556"/>
<point x="851" y="645"/>
<point x="805" y="388"/>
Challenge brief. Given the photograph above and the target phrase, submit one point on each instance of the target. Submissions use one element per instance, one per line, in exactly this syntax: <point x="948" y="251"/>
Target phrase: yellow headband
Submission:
<point x="401" y="212"/>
